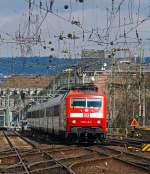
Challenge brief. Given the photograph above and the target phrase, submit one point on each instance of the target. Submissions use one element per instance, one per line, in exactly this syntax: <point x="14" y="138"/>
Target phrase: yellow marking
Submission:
<point x="146" y="147"/>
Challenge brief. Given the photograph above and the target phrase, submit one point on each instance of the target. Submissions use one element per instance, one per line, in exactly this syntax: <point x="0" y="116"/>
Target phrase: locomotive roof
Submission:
<point x="49" y="103"/>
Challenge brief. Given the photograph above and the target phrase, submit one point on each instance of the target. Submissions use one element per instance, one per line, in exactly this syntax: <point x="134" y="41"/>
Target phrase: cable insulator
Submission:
<point x="81" y="1"/>
<point x="66" y="7"/>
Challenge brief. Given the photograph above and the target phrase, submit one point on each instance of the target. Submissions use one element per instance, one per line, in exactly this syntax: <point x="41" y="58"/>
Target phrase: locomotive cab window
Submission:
<point x="78" y="102"/>
<point x="94" y="103"/>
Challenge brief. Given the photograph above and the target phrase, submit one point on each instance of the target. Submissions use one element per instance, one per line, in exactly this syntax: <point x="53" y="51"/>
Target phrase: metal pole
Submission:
<point x="141" y="88"/>
<point x="144" y="107"/>
<point x="112" y="94"/>
<point x="7" y="120"/>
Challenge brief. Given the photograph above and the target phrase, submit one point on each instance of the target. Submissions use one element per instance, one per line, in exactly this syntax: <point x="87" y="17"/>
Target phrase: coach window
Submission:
<point x="94" y="103"/>
<point x="56" y="110"/>
<point x="41" y="113"/>
<point x="31" y="114"/>
<point x="48" y="112"/>
<point x="34" y="114"/>
<point x="37" y="114"/>
<point x="28" y="114"/>
<point x="78" y="103"/>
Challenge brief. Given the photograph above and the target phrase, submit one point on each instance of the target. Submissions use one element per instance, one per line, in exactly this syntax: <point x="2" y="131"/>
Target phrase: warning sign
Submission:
<point x="146" y="147"/>
<point x="134" y="123"/>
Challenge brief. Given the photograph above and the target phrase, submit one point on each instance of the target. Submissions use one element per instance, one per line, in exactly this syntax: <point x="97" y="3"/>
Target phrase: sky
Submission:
<point x="93" y="32"/>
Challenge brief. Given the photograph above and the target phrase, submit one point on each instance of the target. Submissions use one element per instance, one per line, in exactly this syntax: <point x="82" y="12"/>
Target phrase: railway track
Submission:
<point x="12" y="141"/>
<point x="20" y="159"/>
<point x="129" y="141"/>
<point x="127" y="157"/>
<point x="94" y="161"/>
<point x="27" y="158"/>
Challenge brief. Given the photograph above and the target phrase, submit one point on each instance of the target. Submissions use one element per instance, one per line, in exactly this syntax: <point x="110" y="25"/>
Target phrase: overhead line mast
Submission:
<point x="29" y="18"/>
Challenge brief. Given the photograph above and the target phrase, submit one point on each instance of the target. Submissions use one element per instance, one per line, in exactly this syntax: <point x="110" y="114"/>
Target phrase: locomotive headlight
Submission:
<point x="74" y="121"/>
<point x="98" y="121"/>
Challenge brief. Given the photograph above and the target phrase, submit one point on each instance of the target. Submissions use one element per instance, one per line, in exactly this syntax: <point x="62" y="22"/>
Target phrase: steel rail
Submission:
<point x="18" y="154"/>
<point x="60" y="160"/>
<point x="26" y="140"/>
<point x="65" y="149"/>
<point x="90" y="160"/>
<point x="132" y="154"/>
<point x="77" y="157"/>
<point x="134" y="142"/>
<point x="121" y="142"/>
<point x="143" y="166"/>
<point x="59" y="163"/>
<point x="13" y="166"/>
<point x="146" y="164"/>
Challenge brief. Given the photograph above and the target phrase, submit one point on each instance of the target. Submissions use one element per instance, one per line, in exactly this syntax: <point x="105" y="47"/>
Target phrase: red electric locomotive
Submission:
<point x="85" y="116"/>
<point x="78" y="116"/>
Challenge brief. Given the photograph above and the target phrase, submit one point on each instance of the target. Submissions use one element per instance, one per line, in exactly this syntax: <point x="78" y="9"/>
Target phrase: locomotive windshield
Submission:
<point x="86" y="102"/>
<point x="78" y="102"/>
<point x="95" y="103"/>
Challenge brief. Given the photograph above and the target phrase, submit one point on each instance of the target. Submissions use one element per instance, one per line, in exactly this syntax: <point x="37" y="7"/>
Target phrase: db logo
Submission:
<point x="87" y="115"/>
<point x="86" y="110"/>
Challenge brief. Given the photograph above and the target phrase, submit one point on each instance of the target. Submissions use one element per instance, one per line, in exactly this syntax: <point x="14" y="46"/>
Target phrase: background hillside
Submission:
<point x="34" y="65"/>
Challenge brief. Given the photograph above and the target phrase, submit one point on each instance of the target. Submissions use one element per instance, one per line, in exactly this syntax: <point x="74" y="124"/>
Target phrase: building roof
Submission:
<point x="23" y="81"/>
